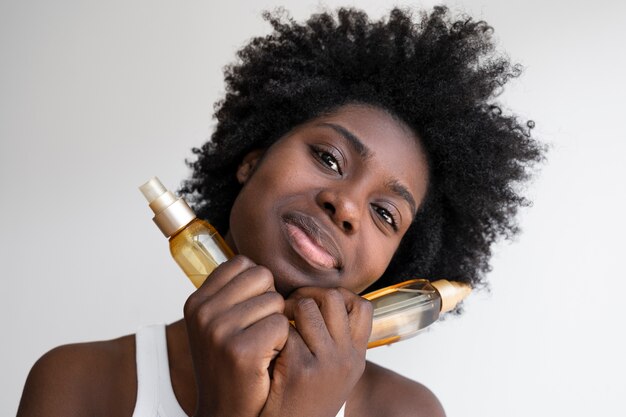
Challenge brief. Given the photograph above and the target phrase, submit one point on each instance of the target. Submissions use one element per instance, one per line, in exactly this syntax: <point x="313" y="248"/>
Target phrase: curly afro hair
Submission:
<point x="437" y="75"/>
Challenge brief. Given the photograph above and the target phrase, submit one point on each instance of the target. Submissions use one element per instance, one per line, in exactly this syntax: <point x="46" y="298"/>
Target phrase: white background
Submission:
<point x="98" y="96"/>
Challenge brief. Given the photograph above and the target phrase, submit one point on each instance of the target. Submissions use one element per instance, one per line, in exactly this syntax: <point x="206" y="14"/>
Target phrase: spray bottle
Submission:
<point x="195" y="245"/>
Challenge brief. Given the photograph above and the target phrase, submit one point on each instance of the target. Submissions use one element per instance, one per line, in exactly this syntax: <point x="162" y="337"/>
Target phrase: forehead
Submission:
<point x="374" y="125"/>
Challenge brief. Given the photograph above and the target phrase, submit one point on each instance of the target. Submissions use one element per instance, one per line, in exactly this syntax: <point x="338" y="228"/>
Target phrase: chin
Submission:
<point x="289" y="276"/>
<point x="289" y="269"/>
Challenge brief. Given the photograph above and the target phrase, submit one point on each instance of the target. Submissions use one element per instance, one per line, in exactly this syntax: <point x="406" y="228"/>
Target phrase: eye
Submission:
<point x="386" y="216"/>
<point x="328" y="159"/>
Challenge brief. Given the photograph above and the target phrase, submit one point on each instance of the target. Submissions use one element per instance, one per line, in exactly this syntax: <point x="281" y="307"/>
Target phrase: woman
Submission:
<point x="348" y="155"/>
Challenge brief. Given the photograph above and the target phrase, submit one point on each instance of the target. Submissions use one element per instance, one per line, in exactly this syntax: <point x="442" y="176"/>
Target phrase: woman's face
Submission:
<point x="328" y="203"/>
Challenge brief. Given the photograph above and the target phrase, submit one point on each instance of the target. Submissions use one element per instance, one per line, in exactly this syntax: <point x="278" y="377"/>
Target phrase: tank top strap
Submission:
<point x="155" y="395"/>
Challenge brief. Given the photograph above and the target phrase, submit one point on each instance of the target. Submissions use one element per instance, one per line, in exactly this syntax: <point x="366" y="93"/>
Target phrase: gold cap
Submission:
<point x="451" y="292"/>
<point x="170" y="213"/>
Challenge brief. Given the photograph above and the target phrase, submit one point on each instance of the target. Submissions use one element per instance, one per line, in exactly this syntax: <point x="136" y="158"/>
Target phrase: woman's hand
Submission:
<point x="324" y="358"/>
<point x="236" y="326"/>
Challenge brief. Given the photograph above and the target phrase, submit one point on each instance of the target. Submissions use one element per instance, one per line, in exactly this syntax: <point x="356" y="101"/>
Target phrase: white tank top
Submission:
<point x="155" y="395"/>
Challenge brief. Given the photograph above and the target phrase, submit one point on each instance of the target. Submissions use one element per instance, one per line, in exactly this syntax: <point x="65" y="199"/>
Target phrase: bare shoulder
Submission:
<point x="382" y="392"/>
<point x="81" y="378"/>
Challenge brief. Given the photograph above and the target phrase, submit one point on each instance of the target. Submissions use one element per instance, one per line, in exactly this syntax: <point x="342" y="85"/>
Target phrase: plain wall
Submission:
<point x="98" y="96"/>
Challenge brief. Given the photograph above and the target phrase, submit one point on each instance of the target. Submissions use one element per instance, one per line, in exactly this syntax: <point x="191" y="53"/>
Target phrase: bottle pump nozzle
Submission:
<point x="170" y="212"/>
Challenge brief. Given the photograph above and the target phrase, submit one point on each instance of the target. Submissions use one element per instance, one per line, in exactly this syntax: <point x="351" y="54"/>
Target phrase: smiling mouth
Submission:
<point x="311" y="242"/>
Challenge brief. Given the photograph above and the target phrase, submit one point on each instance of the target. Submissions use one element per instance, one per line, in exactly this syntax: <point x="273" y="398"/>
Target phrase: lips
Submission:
<point x="315" y="245"/>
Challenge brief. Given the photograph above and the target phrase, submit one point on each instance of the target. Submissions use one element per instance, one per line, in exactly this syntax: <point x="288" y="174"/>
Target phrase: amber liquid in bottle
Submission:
<point x="401" y="311"/>
<point x="194" y="244"/>
<point x="198" y="249"/>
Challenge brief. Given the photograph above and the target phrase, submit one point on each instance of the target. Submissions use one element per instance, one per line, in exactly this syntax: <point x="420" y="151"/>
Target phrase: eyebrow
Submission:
<point x="356" y="144"/>
<point x="404" y="193"/>
<point x="365" y="153"/>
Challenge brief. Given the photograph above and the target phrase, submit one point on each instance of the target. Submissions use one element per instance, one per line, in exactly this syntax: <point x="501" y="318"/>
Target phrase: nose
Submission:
<point x="342" y="208"/>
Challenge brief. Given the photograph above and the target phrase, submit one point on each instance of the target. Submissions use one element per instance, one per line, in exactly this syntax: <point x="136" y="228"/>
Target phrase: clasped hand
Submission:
<point x="249" y="361"/>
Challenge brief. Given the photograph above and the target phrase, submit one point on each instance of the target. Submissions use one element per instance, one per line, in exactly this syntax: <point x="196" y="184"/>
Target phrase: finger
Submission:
<point x="333" y="308"/>
<point x="248" y="284"/>
<point x="241" y="280"/>
<point x="264" y="339"/>
<point x="223" y="274"/>
<point x="360" y="312"/>
<point x="295" y="349"/>
<point x="248" y="312"/>
<point x="310" y="324"/>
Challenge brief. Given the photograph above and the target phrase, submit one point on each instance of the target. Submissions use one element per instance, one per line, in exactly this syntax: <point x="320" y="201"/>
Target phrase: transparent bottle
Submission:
<point x="195" y="245"/>
<point x="400" y="311"/>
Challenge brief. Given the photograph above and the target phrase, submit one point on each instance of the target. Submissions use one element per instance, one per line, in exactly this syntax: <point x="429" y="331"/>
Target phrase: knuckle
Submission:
<point x="276" y="301"/>
<point x="264" y="275"/>
<point x="364" y="305"/>
<point x="306" y="305"/>
<point x="236" y="352"/>
<point x="189" y="306"/>
<point x="333" y="295"/>
<point x="241" y="261"/>
<point x="204" y="315"/>
<point x="280" y="322"/>
<point x="197" y="310"/>
<point x="277" y="324"/>
<point x="309" y="309"/>
<point x="216" y="332"/>
<point x="242" y="353"/>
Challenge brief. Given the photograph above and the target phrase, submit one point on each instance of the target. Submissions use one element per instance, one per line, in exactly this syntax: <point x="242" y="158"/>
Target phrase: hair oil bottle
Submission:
<point x="400" y="311"/>
<point x="194" y="243"/>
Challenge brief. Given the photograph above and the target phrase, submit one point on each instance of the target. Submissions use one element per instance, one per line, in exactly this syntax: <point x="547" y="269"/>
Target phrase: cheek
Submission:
<point x="254" y="214"/>
<point x="282" y="172"/>
<point x="371" y="262"/>
<point x="238" y="222"/>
